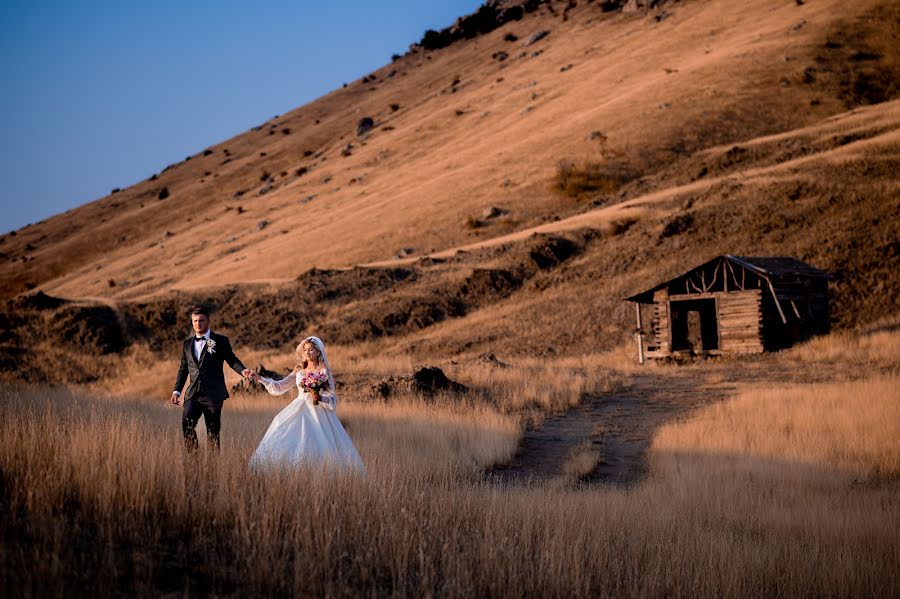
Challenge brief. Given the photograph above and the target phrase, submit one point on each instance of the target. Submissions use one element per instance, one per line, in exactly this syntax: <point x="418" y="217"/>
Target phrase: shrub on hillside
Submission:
<point x="588" y="180"/>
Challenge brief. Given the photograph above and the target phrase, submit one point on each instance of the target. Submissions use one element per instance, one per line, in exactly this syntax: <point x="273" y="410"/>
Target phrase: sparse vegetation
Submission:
<point x="587" y="180"/>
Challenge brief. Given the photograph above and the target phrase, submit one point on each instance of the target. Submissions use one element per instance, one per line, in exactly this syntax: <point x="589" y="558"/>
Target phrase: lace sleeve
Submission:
<point x="279" y="387"/>
<point x="327" y="399"/>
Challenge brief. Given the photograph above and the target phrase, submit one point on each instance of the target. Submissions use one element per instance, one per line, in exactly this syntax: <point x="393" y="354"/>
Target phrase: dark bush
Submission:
<point x="588" y="180"/>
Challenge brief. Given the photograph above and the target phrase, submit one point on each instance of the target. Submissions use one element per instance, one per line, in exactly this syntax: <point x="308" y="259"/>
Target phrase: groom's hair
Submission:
<point x="200" y="310"/>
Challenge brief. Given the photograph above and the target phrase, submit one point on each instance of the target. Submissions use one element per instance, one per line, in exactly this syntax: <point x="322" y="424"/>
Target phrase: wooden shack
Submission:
<point x="732" y="305"/>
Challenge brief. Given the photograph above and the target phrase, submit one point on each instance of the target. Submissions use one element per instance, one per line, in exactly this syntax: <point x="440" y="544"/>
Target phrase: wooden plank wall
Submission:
<point x="740" y="315"/>
<point x="661" y="321"/>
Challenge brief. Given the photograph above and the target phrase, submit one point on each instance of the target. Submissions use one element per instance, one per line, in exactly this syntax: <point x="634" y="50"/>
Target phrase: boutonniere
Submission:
<point x="210" y="346"/>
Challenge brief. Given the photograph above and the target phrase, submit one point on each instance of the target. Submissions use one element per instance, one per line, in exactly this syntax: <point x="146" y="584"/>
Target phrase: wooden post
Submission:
<point x="640" y="337"/>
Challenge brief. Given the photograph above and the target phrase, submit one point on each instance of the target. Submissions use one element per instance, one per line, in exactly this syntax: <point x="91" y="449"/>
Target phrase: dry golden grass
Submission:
<point x="533" y="384"/>
<point x="779" y="492"/>
<point x="874" y="351"/>
<point x="852" y="427"/>
<point x="581" y="461"/>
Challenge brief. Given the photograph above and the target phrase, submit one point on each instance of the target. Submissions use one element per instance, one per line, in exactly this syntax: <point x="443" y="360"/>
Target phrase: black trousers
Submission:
<point x="212" y="415"/>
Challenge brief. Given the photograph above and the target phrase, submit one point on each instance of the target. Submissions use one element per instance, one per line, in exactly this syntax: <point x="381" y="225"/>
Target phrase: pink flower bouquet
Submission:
<point x="314" y="382"/>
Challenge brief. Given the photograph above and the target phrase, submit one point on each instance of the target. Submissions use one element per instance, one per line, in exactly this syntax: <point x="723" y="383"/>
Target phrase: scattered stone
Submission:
<point x="163" y="193"/>
<point x="798" y="26"/>
<point x="381" y="389"/>
<point x="510" y="37"/>
<point x="347" y="150"/>
<point x="596" y="136"/>
<point x="809" y="75"/>
<point x="240" y="209"/>
<point x="308" y="198"/>
<point x="239" y="193"/>
<point x="394" y="107"/>
<point x="665" y="106"/>
<point x="404" y="252"/>
<point x="500" y="56"/>
<point x="678" y="225"/>
<point x="364" y="126"/>
<point x="492" y="212"/>
<point x="431" y="379"/>
<point x="532" y="83"/>
<point x="527" y="109"/>
<point x="536" y="37"/>
<point x="262" y="225"/>
<point x="568" y="67"/>
<point x="301" y="171"/>
<point x="490" y="358"/>
<point x="536" y="53"/>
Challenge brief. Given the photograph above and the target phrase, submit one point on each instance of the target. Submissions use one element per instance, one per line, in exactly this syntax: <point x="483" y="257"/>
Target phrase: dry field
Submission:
<point x="787" y="490"/>
<point x="490" y="224"/>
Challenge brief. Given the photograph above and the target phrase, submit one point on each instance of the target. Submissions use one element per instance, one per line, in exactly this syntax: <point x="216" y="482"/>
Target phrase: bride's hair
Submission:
<point x="303" y="363"/>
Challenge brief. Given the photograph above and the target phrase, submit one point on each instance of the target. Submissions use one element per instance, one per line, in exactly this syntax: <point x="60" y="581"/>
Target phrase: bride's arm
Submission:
<point x="279" y="387"/>
<point x="327" y="398"/>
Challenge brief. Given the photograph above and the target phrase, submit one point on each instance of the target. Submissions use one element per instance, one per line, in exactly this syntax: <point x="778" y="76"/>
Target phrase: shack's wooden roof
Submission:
<point x="771" y="268"/>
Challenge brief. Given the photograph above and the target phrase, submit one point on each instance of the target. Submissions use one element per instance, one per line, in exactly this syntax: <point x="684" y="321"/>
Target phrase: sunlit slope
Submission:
<point x="456" y="131"/>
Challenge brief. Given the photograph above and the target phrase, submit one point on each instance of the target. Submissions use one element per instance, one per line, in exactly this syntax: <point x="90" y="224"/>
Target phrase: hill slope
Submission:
<point x="618" y="149"/>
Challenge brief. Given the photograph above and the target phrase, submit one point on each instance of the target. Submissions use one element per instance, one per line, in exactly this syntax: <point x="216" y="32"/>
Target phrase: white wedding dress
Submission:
<point x="303" y="434"/>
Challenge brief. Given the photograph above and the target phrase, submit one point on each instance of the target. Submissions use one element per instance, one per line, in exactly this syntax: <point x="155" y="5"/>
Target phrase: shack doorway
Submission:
<point x="694" y="325"/>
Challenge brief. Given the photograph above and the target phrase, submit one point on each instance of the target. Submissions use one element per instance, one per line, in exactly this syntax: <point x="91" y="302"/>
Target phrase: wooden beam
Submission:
<point x="777" y="303"/>
<point x="640" y="336"/>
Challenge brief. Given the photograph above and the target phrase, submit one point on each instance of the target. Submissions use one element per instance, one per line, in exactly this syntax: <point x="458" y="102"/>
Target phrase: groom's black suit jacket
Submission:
<point x="207" y="378"/>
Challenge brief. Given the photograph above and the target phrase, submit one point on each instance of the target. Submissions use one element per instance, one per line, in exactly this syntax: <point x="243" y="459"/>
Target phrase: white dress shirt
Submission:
<point x="199" y="343"/>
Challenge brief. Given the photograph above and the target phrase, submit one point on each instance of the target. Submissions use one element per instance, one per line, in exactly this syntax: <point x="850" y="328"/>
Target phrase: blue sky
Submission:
<point x="102" y="94"/>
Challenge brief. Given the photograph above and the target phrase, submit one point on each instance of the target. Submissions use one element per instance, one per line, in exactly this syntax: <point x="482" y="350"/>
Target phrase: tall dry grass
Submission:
<point x="849" y="427"/>
<point x="534" y="385"/>
<point x="97" y="494"/>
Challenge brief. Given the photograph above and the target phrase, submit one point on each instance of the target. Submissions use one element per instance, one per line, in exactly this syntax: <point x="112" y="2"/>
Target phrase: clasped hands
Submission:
<point x="247" y="373"/>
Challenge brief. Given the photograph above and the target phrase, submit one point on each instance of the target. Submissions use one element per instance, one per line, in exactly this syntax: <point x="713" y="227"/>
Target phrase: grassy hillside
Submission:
<point x="509" y="194"/>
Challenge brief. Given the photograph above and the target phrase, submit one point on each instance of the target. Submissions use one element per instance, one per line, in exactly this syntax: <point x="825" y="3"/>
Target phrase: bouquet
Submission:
<point x="314" y="382"/>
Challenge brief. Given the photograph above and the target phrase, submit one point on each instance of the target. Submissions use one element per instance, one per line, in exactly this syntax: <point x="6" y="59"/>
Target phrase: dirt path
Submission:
<point x="621" y="425"/>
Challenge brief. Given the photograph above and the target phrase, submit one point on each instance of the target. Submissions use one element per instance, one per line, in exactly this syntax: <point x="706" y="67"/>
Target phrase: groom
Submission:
<point x="202" y="356"/>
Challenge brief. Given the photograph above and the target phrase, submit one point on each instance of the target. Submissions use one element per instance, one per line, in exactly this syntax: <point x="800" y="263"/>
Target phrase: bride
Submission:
<point x="307" y="431"/>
